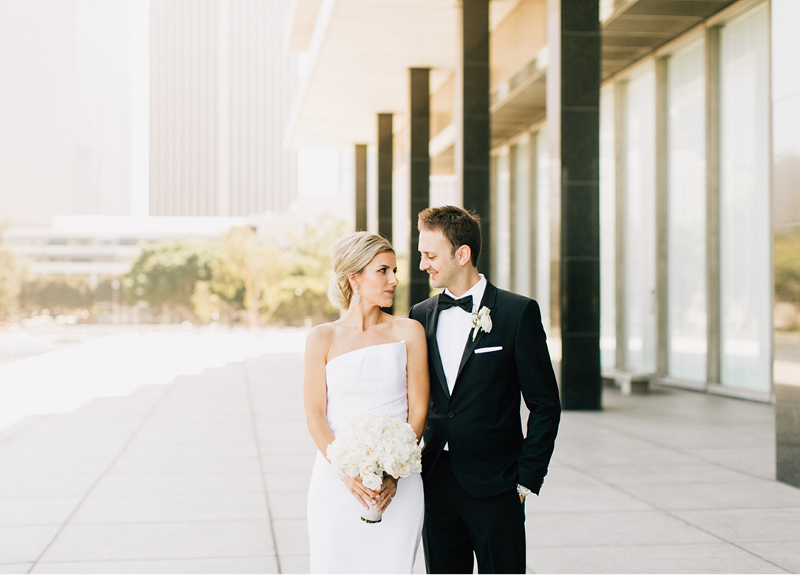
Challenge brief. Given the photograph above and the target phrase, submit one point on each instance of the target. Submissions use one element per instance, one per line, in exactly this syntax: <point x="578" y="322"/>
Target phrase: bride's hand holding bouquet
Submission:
<point x="370" y="454"/>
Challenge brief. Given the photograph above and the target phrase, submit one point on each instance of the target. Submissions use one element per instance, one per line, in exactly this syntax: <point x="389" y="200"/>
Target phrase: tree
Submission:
<point x="260" y="268"/>
<point x="787" y="268"/>
<point x="165" y="274"/>
<point x="248" y="277"/>
<point x="310" y="270"/>
<point x="57" y="293"/>
<point x="12" y="275"/>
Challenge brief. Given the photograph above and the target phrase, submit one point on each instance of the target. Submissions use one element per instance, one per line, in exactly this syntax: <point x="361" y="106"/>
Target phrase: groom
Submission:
<point x="485" y="347"/>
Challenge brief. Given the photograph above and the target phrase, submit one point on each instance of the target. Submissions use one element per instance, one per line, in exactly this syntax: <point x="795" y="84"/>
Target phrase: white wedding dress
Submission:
<point x="367" y="380"/>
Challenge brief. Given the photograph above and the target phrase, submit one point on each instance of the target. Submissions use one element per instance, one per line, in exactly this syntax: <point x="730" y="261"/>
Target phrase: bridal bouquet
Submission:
<point x="371" y="445"/>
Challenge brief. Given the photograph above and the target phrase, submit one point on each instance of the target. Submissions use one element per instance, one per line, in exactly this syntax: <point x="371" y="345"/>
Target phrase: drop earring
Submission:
<point x="356" y="296"/>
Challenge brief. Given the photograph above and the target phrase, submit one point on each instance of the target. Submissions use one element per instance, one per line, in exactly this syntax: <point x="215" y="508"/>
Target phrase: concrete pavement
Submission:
<point x="209" y="473"/>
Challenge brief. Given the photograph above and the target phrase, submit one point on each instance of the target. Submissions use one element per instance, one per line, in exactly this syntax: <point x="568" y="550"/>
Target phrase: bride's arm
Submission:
<point x="418" y="378"/>
<point x="315" y="398"/>
<point x="418" y="393"/>
<point x="315" y="390"/>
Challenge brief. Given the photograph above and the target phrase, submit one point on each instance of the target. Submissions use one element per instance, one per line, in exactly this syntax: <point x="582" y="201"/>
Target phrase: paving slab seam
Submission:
<point x="94" y="485"/>
<point x="631" y="547"/>
<point x="668" y="514"/>
<point x="625" y="546"/>
<point x="770" y="561"/>
<point x="146" y="560"/>
<point x="254" y="421"/>
<point x="679" y="451"/>
<point x="156" y="522"/>
<point x="7" y="434"/>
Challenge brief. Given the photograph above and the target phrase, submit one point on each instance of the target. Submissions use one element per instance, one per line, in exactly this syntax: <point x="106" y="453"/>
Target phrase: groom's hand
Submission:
<point x="365" y="495"/>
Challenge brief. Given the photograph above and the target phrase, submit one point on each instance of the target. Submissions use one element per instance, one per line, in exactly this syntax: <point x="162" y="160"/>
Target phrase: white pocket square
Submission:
<point x="489" y="349"/>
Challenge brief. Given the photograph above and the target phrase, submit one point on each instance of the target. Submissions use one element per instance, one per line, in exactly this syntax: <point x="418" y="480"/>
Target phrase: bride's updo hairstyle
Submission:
<point x="351" y="254"/>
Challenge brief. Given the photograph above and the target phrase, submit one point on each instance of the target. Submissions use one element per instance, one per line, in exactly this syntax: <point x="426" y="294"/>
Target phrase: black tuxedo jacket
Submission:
<point x="481" y="420"/>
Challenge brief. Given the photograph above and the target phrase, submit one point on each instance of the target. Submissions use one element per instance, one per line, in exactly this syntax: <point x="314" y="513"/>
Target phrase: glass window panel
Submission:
<point x="686" y="213"/>
<point x="744" y="202"/>
<point x="785" y="53"/>
<point x="785" y="125"/>
<point x="640" y="228"/>
<point x="542" y="294"/>
<point x="785" y="49"/>
<point x="608" y="195"/>
<point x="502" y="229"/>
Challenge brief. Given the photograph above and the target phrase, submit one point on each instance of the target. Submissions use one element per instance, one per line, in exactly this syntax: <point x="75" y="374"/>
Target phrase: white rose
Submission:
<point x="390" y="465"/>
<point x="372" y="481"/>
<point x="333" y="451"/>
<point x="370" y="454"/>
<point x="403" y="470"/>
<point x="368" y="469"/>
<point x="351" y="464"/>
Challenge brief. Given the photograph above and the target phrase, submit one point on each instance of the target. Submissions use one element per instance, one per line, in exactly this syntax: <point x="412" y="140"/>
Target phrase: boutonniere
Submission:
<point x="481" y="321"/>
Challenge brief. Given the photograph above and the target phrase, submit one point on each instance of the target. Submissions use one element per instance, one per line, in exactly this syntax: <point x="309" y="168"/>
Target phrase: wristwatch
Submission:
<point x="523" y="491"/>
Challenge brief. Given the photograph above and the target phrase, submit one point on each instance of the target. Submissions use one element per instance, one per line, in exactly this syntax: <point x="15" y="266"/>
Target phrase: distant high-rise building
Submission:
<point x="111" y="54"/>
<point x="73" y="128"/>
<point x="220" y="89"/>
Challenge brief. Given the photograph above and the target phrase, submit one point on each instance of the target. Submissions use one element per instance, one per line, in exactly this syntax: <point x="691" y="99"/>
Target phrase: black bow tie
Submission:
<point x="446" y="302"/>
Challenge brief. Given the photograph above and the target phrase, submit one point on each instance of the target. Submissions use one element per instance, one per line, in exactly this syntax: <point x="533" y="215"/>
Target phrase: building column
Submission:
<point x="385" y="157"/>
<point x="713" y="288"/>
<point x="361" y="187"/>
<point x="419" y="176"/>
<point x="662" y="220"/>
<point x="621" y="202"/>
<point x="472" y="119"/>
<point x="573" y="116"/>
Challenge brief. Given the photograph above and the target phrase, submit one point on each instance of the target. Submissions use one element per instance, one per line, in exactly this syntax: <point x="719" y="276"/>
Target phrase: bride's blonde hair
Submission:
<point x="350" y="255"/>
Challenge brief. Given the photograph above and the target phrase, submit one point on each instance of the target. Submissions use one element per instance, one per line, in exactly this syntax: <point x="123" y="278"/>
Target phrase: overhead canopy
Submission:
<point x="520" y="100"/>
<point x="360" y="53"/>
<point x="637" y="27"/>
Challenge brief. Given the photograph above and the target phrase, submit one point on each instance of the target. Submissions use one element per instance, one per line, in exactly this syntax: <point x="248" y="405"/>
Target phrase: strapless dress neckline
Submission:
<point x="364" y="348"/>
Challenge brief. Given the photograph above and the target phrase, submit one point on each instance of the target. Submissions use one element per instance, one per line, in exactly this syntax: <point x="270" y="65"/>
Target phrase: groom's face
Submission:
<point x="436" y="258"/>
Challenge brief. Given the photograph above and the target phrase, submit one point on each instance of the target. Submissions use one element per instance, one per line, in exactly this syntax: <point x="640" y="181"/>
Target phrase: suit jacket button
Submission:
<point x="450" y="414"/>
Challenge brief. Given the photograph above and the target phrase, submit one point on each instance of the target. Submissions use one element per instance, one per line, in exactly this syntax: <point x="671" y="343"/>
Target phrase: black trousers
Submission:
<point x="458" y="525"/>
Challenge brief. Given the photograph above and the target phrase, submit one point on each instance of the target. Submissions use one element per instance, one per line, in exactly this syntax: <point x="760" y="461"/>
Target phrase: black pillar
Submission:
<point x="579" y="128"/>
<point x="473" y="139"/>
<point x="420" y="171"/>
<point x="361" y="187"/>
<point x="385" y="155"/>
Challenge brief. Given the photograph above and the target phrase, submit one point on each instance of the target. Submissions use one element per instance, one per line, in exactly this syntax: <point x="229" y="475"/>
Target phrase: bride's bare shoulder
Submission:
<point x="408" y="329"/>
<point x="321" y="336"/>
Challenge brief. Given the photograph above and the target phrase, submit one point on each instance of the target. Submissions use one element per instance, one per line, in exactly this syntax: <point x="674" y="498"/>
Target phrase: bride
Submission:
<point x="365" y="362"/>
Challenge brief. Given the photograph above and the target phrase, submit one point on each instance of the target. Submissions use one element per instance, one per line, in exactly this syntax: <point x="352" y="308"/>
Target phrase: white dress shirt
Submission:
<point x="452" y="333"/>
<point x="453" y="330"/>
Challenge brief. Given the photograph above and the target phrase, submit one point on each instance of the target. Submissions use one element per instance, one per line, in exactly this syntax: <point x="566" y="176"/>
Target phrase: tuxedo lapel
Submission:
<point x="431" y="322"/>
<point x="488" y="300"/>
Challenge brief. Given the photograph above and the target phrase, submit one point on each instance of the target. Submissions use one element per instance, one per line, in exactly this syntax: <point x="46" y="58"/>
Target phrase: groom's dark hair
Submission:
<point x="459" y="227"/>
